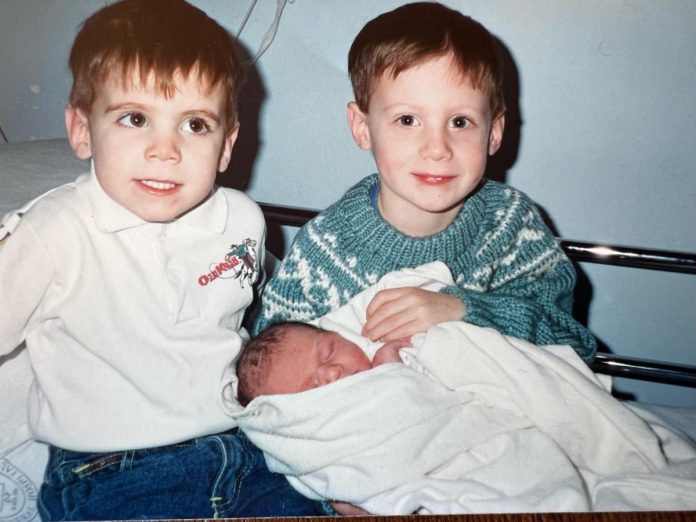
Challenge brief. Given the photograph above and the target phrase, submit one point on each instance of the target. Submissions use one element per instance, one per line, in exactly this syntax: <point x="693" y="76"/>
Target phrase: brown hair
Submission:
<point x="413" y="33"/>
<point x="162" y="37"/>
<point x="254" y="362"/>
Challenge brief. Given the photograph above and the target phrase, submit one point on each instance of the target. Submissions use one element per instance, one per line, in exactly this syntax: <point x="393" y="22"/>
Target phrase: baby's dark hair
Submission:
<point x="257" y="356"/>
<point x="414" y="33"/>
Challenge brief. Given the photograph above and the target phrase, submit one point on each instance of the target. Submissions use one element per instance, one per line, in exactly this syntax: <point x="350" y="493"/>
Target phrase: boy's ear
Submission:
<point x="495" y="138"/>
<point x="227" y="146"/>
<point x="357" y="121"/>
<point x="77" y="125"/>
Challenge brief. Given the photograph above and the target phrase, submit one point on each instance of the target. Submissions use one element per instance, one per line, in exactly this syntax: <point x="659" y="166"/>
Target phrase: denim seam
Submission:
<point x="99" y="464"/>
<point x="128" y="460"/>
<point x="218" y="501"/>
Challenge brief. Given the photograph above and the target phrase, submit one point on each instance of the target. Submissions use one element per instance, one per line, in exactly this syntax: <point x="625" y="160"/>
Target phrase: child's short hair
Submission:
<point x="254" y="362"/>
<point x="413" y="33"/>
<point x="163" y="37"/>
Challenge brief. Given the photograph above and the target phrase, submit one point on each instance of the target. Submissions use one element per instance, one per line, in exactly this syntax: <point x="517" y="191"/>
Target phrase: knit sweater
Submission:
<point x="508" y="268"/>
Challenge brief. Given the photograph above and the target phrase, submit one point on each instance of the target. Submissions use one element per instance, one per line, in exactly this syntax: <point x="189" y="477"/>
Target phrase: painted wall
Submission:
<point x="600" y="129"/>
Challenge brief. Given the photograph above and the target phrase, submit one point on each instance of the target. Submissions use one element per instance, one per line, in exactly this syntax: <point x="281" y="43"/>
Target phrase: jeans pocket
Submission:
<point x="70" y="481"/>
<point x="245" y="487"/>
<point x="68" y="467"/>
<point x="89" y="466"/>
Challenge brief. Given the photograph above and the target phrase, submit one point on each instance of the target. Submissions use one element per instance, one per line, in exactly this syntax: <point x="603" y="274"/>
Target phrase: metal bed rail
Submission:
<point x="614" y="255"/>
<point x="652" y="259"/>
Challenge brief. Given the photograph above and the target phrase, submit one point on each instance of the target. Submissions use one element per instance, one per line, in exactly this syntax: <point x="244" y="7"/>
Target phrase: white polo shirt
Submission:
<point x="132" y="327"/>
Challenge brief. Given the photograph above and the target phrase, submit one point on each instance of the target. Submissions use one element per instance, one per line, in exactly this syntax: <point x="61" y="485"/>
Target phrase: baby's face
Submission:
<point x="309" y="359"/>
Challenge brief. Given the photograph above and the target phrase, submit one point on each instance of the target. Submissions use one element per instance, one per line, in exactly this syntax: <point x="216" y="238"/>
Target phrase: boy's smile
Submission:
<point x="430" y="132"/>
<point x="157" y="156"/>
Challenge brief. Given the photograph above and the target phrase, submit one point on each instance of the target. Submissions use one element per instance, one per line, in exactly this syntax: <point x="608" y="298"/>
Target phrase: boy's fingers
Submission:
<point x="405" y="330"/>
<point x="384" y="319"/>
<point x="391" y="328"/>
<point x="381" y="298"/>
<point x="383" y="307"/>
<point x="346" y="509"/>
<point x="399" y="343"/>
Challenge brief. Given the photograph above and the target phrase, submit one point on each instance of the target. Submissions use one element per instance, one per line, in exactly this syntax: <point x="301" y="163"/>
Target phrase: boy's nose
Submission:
<point x="436" y="146"/>
<point x="163" y="147"/>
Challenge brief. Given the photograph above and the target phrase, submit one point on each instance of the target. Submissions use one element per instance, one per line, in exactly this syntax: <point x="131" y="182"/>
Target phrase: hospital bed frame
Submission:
<point x="614" y="516"/>
<point x="606" y="363"/>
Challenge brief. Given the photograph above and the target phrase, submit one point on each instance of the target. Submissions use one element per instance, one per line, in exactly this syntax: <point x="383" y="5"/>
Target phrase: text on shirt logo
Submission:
<point x="239" y="263"/>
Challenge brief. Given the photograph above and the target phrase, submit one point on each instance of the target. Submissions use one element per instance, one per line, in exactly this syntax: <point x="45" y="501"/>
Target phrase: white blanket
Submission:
<point x="473" y="422"/>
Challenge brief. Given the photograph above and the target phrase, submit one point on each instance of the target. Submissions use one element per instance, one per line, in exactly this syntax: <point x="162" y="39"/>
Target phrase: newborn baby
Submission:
<point x="292" y="357"/>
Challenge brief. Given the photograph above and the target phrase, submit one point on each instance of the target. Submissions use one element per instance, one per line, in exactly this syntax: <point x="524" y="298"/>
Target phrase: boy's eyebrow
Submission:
<point x="125" y="105"/>
<point x="210" y="114"/>
<point x="419" y="106"/>
<point x="213" y="115"/>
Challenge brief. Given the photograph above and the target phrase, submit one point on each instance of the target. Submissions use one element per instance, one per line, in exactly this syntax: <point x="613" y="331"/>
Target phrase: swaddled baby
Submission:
<point x="473" y="421"/>
<point x="292" y="357"/>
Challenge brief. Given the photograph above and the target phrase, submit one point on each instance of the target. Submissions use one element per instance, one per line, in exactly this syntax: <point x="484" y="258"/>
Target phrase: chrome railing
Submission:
<point x="610" y="364"/>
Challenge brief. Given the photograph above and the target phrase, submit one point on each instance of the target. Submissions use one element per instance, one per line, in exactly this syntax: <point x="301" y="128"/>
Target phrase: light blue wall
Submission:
<point x="606" y="130"/>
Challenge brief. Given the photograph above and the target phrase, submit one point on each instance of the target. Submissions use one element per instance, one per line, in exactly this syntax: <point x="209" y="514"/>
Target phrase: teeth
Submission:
<point x="159" y="185"/>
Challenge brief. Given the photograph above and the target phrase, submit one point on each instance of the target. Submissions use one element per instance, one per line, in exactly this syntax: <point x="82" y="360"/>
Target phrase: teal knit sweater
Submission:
<point x="509" y="271"/>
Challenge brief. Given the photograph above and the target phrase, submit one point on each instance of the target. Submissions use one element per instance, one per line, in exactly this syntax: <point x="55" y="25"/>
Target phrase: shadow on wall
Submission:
<point x="246" y="149"/>
<point x="499" y="165"/>
<point x="503" y="160"/>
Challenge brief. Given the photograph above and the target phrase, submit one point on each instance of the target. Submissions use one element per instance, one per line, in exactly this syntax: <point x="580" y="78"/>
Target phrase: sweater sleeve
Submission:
<point x="531" y="308"/>
<point x="529" y="294"/>
<point x="288" y="295"/>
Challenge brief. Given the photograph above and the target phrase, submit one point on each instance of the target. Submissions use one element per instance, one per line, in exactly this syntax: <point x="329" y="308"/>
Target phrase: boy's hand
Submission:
<point x="348" y="510"/>
<point x="402" y="312"/>
<point x="389" y="351"/>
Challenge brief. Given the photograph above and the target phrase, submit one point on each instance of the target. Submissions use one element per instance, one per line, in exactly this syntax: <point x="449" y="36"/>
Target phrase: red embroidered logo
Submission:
<point x="239" y="263"/>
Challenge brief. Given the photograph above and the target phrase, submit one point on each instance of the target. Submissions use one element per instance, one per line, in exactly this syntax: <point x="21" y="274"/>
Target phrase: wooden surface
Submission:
<point x="616" y="516"/>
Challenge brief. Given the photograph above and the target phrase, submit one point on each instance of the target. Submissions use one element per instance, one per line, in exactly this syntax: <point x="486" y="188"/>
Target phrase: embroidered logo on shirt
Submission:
<point x="239" y="263"/>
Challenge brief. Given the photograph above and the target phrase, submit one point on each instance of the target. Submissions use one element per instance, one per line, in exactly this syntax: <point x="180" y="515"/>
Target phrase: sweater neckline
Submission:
<point x="360" y="213"/>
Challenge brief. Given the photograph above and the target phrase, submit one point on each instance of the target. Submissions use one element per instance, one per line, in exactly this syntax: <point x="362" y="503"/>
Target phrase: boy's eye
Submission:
<point x="408" y="120"/>
<point x="195" y="126"/>
<point x="460" y="122"/>
<point x="133" y="119"/>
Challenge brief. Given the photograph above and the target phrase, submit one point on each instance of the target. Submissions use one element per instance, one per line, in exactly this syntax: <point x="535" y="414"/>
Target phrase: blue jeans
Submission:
<point x="218" y="476"/>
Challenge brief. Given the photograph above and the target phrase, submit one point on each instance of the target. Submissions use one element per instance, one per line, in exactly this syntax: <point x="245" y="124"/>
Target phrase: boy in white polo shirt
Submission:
<point x="129" y="285"/>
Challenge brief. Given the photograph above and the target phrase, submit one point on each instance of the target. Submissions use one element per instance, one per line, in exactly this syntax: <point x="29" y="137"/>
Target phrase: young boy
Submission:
<point x="130" y="284"/>
<point x="429" y="105"/>
<point x="293" y="357"/>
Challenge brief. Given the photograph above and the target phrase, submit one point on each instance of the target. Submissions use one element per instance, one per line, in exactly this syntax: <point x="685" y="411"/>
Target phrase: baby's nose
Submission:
<point x="330" y="373"/>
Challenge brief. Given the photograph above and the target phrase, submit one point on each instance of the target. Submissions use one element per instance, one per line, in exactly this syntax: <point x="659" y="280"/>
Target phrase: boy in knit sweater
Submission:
<point x="130" y="284"/>
<point x="429" y="105"/>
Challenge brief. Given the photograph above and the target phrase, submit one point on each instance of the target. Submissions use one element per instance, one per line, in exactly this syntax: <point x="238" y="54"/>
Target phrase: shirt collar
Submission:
<point x="110" y="216"/>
